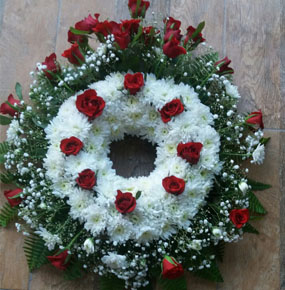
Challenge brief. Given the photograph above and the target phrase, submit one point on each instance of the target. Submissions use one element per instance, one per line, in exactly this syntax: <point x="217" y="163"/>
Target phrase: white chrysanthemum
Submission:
<point x="50" y="239"/>
<point x="232" y="90"/>
<point x="115" y="261"/>
<point x="258" y="154"/>
<point x="157" y="213"/>
<point x="13" y="130"/>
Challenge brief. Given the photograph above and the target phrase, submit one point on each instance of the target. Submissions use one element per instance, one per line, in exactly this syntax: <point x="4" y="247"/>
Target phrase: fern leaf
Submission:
<point x="6" y="178"/>
<point x="111" y="283"/>
<point x="255" y="205"/>
<point x="74" y="271"/>
<point x="4" y="148"/>
<point x="36" y="251"/>
<point x="248" y="228"/>
<point x="212" y="273"/>
<point x="169" y="284"/>
<point x="7" y="214"/>
<point x="255" y="185"/>
<point x="220" y="250"/>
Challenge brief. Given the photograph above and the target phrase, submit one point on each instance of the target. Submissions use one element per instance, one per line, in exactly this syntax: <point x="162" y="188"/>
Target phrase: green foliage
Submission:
<point x="4" y="148"/>
<point x="175" y="284"/>
<point x="18" y="89"/>
<point x="219" y="250"/>
<point x="248" y="228"/>
<point x="7" y="214"/>
<point x="5" y="120"/>
<point x="7" y="178"/>
<point x="36" y="251"/>
<point x="255" y="205"/>
<point x="111" y="283"/>
<point x="212" y="273"/>
<point x="73" y="271"/>
<point x="257" y="186"/>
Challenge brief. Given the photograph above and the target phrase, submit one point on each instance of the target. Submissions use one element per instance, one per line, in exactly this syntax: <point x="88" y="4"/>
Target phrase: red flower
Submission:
<point x="71" y="146"/>
<point x="148" y="34"/>
<point x="74" y="54"/>
<point x="172" y="48"/>
<point x="90" y="104"/>
<point x="172" y="23"/>
<point x="239" y="217"/>
<point x="172" y="33"/>
<point x="11" y="193"/>
<point x="88" y="23"/>
<point x="125" y="202"/>
<point x="123" y="39"/>
<point x="199" y="38"/>
<point x="190" y="151"/>
<point x="171" y="269"/>
<point x="133" y="82"/>
<point x="224" y="68"/>
<point x="173" y="108"/>
<point x="86" y="179"/>
<point x="6" y="109"/>
<point x="138" y="11"/>
<point x="131" y="26"/>
<point x="255" y="118"/>
<point x="103" y="28"/>
<point x="52" y="65"/>
<point x="72" y="38"/>
<point x="173" y="185"/>
<point x="59" y="261"/>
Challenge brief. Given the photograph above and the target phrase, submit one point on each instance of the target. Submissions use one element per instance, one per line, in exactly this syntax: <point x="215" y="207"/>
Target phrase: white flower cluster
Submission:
<point x="157" y="213"/>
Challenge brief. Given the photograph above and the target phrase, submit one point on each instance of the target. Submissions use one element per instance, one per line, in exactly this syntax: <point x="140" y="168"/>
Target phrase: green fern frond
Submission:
<point x="73" y="271"/>
<point x="36" y="251"/>
<point x="4" y="148"/>
<point x="7" y="214"/>
<point x="255" y="205"/>
<point x="7" y="178"/>
<point x="169" y="284"/>
<point x="248" y="228"/>
<point x="111" y="283"/>
<point x="212" y="273"/>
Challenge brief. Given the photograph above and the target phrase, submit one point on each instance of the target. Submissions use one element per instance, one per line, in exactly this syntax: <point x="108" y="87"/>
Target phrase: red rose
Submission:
<point x="125" y="202"/>
<point x="199" y="38"/>
<point x="59" y="261"/>
<point x="224" y="68"/>
<point x="172" y="48"/>
<point x="88" y="23"/>
<point x="239" y="217"/>
<point x="74" y="54"/>
<point x="131" y="26"/>
<point x="173" y="185"/>
<point x="73" y="38"/>
<point x="6" y="109"/>
<point x="9" y="194"/>
<point x="71" y="146"/>
<point x="52" y="65"/>
<point x="190" y="151"/>
<point x="133" y="82"/>
<point x="255" y="118"/>
<point x="90" y="104"/>
<point x="138" y="9"/>
<point x="171" y="269"/>
<point x="123" y="39"/>
<point x="172" y="23"/>
<point x="172" y="33"/>
<point x="103" y="28"/>
<point x="173" y="108"/>
<point x="148" y="34"/>
<point x="86" y="179"/>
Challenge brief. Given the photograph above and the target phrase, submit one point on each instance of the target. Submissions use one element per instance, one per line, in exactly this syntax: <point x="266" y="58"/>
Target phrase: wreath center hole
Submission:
<point x="132" y="157"/>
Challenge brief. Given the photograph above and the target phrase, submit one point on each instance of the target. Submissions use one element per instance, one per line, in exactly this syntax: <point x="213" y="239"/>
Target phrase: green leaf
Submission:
<point x="73" y="271"/>
<point x="5" y="120"/>
<point x="138" y="35"/>
<point x="4" y="148"/>
<point x="138" y="195"/>
<point x="38" y="123"/>
<point x="36" y="251"/>
<point x="7" y="178"/>
<point x="175" y="284"/>
<point x="2" y="158"/>
<point x="198" y="30"/>
<point x="212" y="273"/>
<point x="248" y="228"/>
<point x="264" y="141"/>
<point x="255" y="205"/>
<point x="18" y="89"/>
<point x="220" y="250"/>
<point x="7" y="214"/>
<point x="111" y="283"/>
<point x="256" y="186"/>
<point x="79" y="32"/>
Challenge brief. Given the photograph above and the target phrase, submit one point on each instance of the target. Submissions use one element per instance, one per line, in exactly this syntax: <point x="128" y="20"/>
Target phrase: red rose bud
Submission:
<point x="6" y="109"/>
<point x="172" y="48"/>
<point x="172" y="33"/>
<point x="239" y="217"/>
<point x="138" y="8"/>
<point x="255" y="118"/>
<point x="10" y="194"/>
<point x="73" y="38"/>
<point x="148" y="34"/>
<point x="123" y="39"/>
<point x="131" y="26"/>
<point x="88" y="23"/>
<point x="197" y="39"/>
<point x="125" y="202"/>
<point x="86" y="179"/>
<point x="172" y="23"/>
<point x="224" y="67"/>
<point x="173" y="108"/>
<point x="90" y="104"/>
<point x="71" y="146"/>
<point x="74" y="54"/>
<point x="171" y="269"/>
<point x="173" y="185"/>
<point x="103" y="28"/>
<point x="59" y="261"/>
<point x="52" y="65"/>
<point x="190" y="151"/>
<point x="133" y="82"/>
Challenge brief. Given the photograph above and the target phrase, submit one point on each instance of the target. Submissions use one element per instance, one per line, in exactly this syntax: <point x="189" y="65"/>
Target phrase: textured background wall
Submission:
<point x="251" y="33"/>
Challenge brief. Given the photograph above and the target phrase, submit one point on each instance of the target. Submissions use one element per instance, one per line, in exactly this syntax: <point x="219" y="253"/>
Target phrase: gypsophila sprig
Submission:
<point x="144" y="81"/>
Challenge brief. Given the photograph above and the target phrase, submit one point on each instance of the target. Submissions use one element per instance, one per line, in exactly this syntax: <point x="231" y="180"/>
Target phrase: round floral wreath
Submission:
<point x="81" y="215"/>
